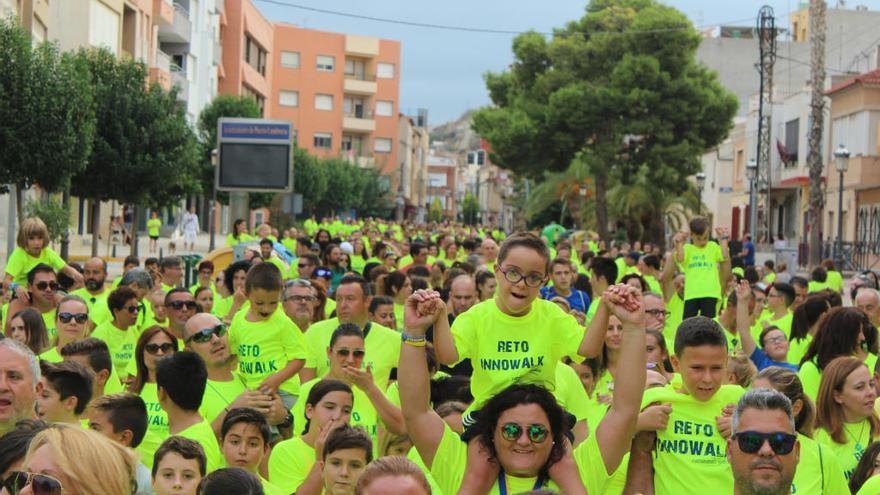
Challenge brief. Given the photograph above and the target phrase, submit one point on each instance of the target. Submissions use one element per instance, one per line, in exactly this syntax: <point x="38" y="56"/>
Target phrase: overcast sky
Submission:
<point x="442" y="70"/>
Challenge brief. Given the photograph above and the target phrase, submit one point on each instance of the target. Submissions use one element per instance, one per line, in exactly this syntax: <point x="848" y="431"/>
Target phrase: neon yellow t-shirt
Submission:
<point x="219" y="395"/>
<point x="653" y="284"/>
<point x="363" y="413"/>
<point x="797" y="349"/>
<point x="232" y="241"/>
<point x="202" y="433"/>
<point x="51" y="355"/>
<point x="153" y="225"/>
<point x="398" y="316"/>
<point x="49" y="320"/>
<point x="120" y="342"/>
<point x="834" y="281"/>
<point x="450" y="461"/>
<point x="278" y="264"/>
<point x="870" y="487"/>
<point x="690" y="452"/>
<point x="591" y="312"/>
<point x="818" y="470"/>
<point x="270" y="488"/>
<point x="702" y="278"/>
<point x="675" y="306"/>
<point x="290" y="463"/>
<point x="784" y="323"/>
<point x="21" y="263"/>
<point x="382" y="346"/>
<point x="157" y="424"/>
<point x="358" y="263"/>
<point x="222" y="306"/>
<point x="858" y="437"/>
<point x="815" y="286"/>
<point x="811" y="376"/>
<point x="570" y="392"/>
<point x="504" y="349"/>
<point x="265" y="347"/>
<point x="329" y="307"/>
<point x="99" y="312"/>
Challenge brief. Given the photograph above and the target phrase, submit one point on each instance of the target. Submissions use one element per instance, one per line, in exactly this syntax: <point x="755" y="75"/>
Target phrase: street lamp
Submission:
<point x="752" y="174"/>
<point x="841" y="162"/>
<point x="215" y="158"/>
<point x="701" y="183"/>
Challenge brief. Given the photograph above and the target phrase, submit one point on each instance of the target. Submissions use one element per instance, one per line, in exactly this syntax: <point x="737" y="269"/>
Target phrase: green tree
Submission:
<point x="618" y="88"/>
<point x="375" y="198"/>
<point x="435" y="212"/>
<point x="55" y="215"/>
<point x="47" y="119"/>
<point x="470" y="209"/>
<point x="344" y="186"/>
<point x="144" y="152"/>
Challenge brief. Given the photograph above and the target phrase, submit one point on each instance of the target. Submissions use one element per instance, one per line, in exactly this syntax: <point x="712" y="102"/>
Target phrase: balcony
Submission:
<point x="163" y="12"/>
<point x="178" y="78"/>
<point x="180" y="29"/>
<point x="361" y="46"/>
<point x="360" y="84"/>
<point x="358" y="121"/>
<point x="161" y="72"/>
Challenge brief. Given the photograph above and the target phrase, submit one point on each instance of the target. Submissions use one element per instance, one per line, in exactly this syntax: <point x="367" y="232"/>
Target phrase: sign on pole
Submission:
<point x="254" y="155"/>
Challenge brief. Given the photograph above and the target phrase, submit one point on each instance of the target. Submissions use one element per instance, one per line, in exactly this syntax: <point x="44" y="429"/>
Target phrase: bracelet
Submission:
<point x="413" y="340"/>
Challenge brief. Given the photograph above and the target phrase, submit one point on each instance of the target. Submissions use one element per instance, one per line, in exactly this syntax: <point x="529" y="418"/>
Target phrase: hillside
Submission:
<point x="457" y="135"/>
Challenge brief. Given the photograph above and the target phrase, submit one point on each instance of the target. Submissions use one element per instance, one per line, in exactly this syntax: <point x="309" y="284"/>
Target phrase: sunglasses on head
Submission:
<point x="40" y="484"/>
<point x="155" y="348"/>
<point x="178" y="305"/>
<point x="513" y="431"/>
<point x="357" y="353"/>
<point x="204" y="335"/>
<point x="751" y="442"/>
<point x="79" y="317"/>
<point x="47" y="285"/>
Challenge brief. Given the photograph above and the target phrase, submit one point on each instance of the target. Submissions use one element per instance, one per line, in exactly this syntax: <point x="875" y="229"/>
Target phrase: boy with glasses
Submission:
<point x="773" y="350"/>
<point x="779" y="300"/>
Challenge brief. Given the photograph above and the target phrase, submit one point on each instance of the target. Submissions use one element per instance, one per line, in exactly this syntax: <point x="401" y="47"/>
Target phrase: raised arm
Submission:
<point x="743" y="318"/>
<point x="616" y="431"/>
<point x="723" y="241"/>
<point x="667" y="277"/>
<point x="444" y="343"/>
<point x="678" y="241"/>
<point x="425" y="427"/>
<point x="594" y="337"/>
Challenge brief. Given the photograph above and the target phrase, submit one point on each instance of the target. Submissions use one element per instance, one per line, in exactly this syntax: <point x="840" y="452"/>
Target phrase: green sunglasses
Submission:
<point x="513" y="431"/>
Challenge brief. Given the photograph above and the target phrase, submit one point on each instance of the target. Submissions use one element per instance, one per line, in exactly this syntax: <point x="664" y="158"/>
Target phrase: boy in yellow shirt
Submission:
<point x="706" y="267"/>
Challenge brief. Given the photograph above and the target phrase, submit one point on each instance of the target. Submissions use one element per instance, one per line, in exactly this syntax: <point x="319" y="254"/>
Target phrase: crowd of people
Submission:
<point x="372" y="357"/>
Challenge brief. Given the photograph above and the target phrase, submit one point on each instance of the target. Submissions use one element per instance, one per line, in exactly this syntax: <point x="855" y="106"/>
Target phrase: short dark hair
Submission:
<point x="206" y="265"/>
<point x="70" y="379"/>
<point x="319" y="390"/>
<point x="349" y="437"/>
<point x="40" y="268"/>
<point x="312" y="258"/>
<point x="245" y="415"/>
<point x="799" y="281"/>
<point x="151" y="261"/>
<point x="346" y="330"/>
<point x="184" y="447"/>
<point x="131" y="260"/>
<point x="416" y="247"/>
<point x="699" y="225"/>
<point x="356" y="279"/>
<point x="183" y="375"/>
<point x="14" y="444"/>
<point x="169" y="262"/>
<point x="230" y="480"/>
<point x="231" y="270"/>
<point x="786" y="291"/>
<point x="819" y="274"/>
<point x="125" y="411"/>
<point x="698" y="331"/>
<point x="95" y="349"/>
<point x="121" y="295"/>
<point x="421" y="270"/>
<point x="265" y="276"/>
<point x="266" y="242"/>
<point x="526" y="240"/>
<point x="606" y="268"/>
<point x="304" y="240"/>
<point x="380" y="301"/>
<point x="177" y="290"/>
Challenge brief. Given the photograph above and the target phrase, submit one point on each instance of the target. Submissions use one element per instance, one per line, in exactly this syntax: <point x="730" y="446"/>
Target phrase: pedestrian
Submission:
<point x="189" y="225"/>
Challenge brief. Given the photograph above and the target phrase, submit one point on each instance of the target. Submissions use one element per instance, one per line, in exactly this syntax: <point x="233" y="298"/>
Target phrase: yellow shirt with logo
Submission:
<point x="290" y="463"/>
<point x="265" y="347"/>
<point x="157" y="424"/>
<point x="691" y="452"/>
<point x="857" y="436"/>
<point x="701" y="275"/>
<point x="120" y="342"/>
<point x="505" y="349"/>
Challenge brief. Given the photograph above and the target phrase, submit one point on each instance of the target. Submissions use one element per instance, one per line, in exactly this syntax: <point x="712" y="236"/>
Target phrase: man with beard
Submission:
<point x="206" y="335"/>
<point x="94" y="293"/>
<point x="763" y="449"/>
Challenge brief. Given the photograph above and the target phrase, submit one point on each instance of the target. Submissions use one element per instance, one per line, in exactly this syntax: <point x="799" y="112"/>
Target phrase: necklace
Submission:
<point x="858" y="439"/>
<point x="502" y="483"/>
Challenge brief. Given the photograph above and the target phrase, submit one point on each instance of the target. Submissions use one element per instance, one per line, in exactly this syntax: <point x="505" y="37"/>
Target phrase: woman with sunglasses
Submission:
<point x="64" y="459"/>
<point x="154" y="343"/>
<point x="120" y="333"/>
<point x="818" y="470"/>
<point x="846" y="421"/>
<point x="71" y="318"/>
<point x="347" y="356"/>
<point x="27" y="326"/>
<point x="292" y="466"/>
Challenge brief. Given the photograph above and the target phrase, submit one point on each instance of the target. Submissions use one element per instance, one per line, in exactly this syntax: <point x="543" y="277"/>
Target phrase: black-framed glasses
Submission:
<point x="178" y="305"/>
<point x="133" y="309"/>
<point x="205" y="334"/>
<point x="512" y="275"/>
<point x="80" y="318"/>
<point x="751" y="442"/>
<point x="357" y="353"/>
<point x="536" y="433"/>
<point x="155" y="348"/>
<point x="43" y="285"/>
<point x="40" y="484"/>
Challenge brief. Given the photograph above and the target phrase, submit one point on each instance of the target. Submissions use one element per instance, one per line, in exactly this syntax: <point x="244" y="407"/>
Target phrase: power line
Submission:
<point x="471" y="29"/>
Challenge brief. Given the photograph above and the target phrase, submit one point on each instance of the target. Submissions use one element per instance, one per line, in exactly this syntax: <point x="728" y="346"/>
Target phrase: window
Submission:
<point x="323" y="102"/>
<point x="384" y="108"/>
<point x="323" y="140"/>
<point x="290" y="60"/>
<point x="289" y="98"/>
<point x="260" y="99"/>
<point x="105" y="27"/>
<point x="255" y="55"/>
<point x="355" y="69"/>
<point x="791" y="142"/>
<point x="382" y="145"/>
<point x="326" y="63"/>
<point x="384" y="70"/>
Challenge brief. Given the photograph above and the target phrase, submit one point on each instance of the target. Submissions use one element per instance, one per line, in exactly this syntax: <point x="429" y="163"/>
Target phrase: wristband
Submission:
<point x="413" y="340"/>
<point x="13" y="286"/>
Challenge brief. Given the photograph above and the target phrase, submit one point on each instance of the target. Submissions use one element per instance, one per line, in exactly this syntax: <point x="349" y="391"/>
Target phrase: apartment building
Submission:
<point x="341" y="92"/>
<point x="33" y="15"/>
<point x="409" y="179"/>
<point x="246" y="38"/>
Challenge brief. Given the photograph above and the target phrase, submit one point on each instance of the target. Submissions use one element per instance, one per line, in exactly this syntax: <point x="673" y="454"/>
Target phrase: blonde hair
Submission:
<point x="743" y="369"/>
<point x="95" y="464"/>
<point x="392" y="466"/>
<point x="32" y="227"/>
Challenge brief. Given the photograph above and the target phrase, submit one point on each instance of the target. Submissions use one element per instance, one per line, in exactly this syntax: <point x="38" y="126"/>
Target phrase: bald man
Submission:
<point x="462" y="294"/>
<point x="95" y="292"/>
<point x="868" y="300"/>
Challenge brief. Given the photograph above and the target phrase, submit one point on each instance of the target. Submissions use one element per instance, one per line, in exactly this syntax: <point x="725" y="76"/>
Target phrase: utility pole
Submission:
<point x="814" y="141"/>
<point x="767" y="50"/>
